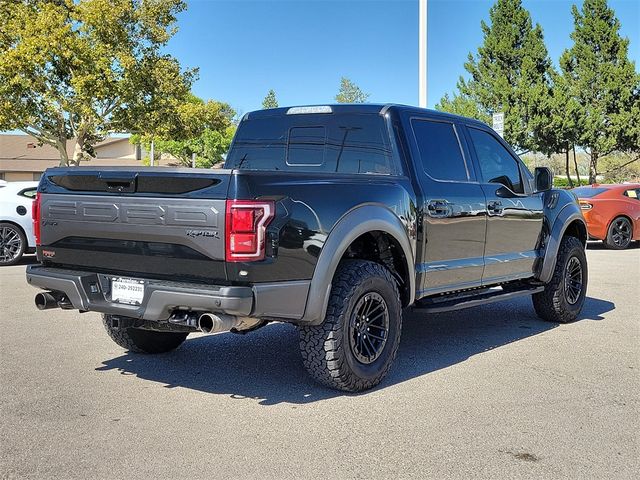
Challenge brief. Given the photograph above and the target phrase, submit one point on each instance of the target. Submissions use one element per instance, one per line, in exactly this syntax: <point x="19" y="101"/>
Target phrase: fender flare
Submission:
<point x="570" y="213"/>
<point x="356" y="222"/>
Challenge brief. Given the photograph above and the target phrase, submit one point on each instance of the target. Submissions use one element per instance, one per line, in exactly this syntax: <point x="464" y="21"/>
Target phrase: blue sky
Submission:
<point x="302" y="48"/>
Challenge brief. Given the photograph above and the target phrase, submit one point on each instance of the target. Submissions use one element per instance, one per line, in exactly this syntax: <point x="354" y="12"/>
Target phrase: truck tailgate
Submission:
<point x="164" y="223"/>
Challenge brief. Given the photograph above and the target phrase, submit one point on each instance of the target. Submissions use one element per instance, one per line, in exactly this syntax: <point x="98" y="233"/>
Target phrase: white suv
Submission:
<point x="16" y="225"/>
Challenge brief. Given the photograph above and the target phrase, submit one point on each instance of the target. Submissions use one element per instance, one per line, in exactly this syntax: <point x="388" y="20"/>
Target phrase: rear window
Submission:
<point x="352" y="143"/>
<point x="588" y="192"/>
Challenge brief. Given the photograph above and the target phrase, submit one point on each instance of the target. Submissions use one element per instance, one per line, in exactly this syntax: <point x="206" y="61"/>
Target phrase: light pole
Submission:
<point x="422" y="54"/>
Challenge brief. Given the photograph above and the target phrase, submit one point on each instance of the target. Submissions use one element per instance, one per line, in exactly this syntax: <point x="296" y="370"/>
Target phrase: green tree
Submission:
<point x="201" y="128"/>
<point x="561" y="132"/>
<point x="270" y="101"/>
<point x="350" y="93"/>
<point x="603" y="82"/>
<point x="464" y="105"/>
<point x="81" y="69"/>
<point x="510" y="73"/>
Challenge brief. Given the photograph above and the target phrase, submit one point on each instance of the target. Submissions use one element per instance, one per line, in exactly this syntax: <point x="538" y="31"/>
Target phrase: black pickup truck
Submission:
<point x="333" y="218"/>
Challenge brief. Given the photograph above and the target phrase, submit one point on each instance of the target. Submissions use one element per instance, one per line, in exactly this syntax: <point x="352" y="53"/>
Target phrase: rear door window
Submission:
<point x="440" y="152"/>
<point x="496" y="164"/>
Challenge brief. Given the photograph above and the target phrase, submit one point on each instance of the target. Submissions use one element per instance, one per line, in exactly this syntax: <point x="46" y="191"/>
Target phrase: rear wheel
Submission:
<point x="355" y="346"/>
<point x="619" y="234"/>
<point x="563" y="297"/>
<point x="13" y="244"/>
<point x="142" y="341"/>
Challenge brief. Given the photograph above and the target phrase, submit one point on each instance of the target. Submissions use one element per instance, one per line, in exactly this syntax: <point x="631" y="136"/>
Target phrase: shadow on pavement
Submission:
<point x="598" y="245"/>
<point x="28" y="259"/>
<point x="265" y="366"/>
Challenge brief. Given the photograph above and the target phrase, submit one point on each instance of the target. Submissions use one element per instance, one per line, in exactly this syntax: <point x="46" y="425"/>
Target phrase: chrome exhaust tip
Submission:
<point x="207" y="322"/>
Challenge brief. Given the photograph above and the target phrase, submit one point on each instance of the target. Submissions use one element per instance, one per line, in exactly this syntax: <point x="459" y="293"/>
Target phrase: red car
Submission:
<point x="612" y="213"/>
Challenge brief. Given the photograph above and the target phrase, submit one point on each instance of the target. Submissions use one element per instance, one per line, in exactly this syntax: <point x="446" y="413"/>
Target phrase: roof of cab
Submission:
<point x="363" y="108"/>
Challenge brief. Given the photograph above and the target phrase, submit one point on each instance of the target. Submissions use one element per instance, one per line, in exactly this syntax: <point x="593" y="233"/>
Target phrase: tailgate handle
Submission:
<point x="119" y="182"/>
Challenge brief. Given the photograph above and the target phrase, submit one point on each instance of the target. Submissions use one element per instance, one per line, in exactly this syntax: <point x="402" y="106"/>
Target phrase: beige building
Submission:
<point x="21" y="158"/>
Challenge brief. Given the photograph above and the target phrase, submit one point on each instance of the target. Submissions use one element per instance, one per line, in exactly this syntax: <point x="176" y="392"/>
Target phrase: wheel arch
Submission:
<point x="366" y="222"/>
<point x="623" y="215"/>
<point x="15" y="224"/>
<point x="569" y="222"/>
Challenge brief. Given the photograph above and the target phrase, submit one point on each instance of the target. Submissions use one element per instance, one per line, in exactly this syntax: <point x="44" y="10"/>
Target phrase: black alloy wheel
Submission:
<point x="369" y="328"/>
<point x="573" y="280"/>
<point x="619" y="235"/>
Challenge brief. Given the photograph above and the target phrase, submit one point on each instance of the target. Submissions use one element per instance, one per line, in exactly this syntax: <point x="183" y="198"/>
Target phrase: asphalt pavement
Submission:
<point x="490" y="392"/>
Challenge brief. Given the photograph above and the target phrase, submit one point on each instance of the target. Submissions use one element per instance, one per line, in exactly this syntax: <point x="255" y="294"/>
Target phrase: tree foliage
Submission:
<point x="350" y="92"/>
<point x="511" y="73"/>
<point x="201" y="128"/>
<point x="270" y="101"/>
<point x="603" y="84"/>
<point x="464" y="105"/>
<point x="81" y="69"/>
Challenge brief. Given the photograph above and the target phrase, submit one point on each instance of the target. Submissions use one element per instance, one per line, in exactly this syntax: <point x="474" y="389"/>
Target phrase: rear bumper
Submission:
<point x="90" y="291"/>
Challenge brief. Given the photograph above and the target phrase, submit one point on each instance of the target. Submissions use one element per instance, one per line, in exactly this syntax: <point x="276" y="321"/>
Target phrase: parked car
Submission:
<point x="334" y="218"/>
<point x="612" y="213"/>
<point x="16" y="224"/>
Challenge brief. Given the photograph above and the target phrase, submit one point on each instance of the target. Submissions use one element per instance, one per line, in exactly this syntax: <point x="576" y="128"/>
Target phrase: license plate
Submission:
<point x="127" y="290"/>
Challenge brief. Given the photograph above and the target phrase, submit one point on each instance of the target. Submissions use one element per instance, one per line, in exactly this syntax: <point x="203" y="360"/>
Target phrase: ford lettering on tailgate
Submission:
<point x="132" y="213"/>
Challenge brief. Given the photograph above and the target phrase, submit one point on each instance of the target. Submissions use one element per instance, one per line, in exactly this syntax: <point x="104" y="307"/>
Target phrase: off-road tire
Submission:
<point x="18" y="235"/>
<point x="143" y="341"/>
<point x="326" y="350"/>
<point x="552" y="304"/>
<point x="609" y="241"/>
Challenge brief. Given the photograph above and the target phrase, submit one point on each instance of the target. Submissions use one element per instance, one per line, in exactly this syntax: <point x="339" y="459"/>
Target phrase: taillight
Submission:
<point x="35" y="215"/>
<point x="246" y="226"/>
<point x="585" y="206"/>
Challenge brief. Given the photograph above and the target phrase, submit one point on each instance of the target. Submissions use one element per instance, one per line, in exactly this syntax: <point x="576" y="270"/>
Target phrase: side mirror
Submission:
<point x="543" y="179"/>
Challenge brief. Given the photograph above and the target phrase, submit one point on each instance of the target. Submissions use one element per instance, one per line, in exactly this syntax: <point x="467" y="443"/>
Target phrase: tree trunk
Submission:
<point x="61" y="146"/>
<point x="566" y="166"/>
<point x="593" y="167"/>
<point x="575" y="163"/>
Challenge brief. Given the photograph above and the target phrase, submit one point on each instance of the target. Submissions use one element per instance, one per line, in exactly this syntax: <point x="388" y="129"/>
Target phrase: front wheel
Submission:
<point x="619" y="234"/>
<point x="139" y="340"/>
<point x="355" y="346"/>
<point x="563" y="297"/>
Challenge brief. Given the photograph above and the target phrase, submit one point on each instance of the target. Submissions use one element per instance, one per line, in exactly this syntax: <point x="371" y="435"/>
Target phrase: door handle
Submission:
<point x="495" y="208"/>
<point x="438" y="208"/>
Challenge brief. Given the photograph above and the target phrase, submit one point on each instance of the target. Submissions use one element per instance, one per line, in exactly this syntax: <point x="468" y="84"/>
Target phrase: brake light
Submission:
<point x="586" y="206"/>
<point x="246" y="226"/>
<point x="35" y="215"/>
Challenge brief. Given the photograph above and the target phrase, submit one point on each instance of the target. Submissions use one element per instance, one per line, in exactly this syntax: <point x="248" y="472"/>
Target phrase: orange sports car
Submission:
<point x="612" y="212"/>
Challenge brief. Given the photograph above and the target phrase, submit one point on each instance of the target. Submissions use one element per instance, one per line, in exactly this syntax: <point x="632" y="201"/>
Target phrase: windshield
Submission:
<point x="350" y="143"/>
<point x="588" y="192"/>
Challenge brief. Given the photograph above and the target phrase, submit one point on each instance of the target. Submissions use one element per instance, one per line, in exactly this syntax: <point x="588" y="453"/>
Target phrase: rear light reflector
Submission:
<point x="35" y="215"/>
<point x="246" y="226"/>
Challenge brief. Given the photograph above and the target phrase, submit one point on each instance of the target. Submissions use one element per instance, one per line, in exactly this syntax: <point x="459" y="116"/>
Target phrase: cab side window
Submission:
<point x="440" y="151"/>
<point x="496" y="163"/>
<point x="633" y="193"/>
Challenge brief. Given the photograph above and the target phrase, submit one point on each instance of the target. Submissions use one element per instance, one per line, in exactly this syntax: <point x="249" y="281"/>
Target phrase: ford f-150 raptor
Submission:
<point x="334" y="218"/>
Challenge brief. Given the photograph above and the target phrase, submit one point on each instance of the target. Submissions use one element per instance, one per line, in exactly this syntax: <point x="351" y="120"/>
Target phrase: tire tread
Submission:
<point x="322" y="346"/>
